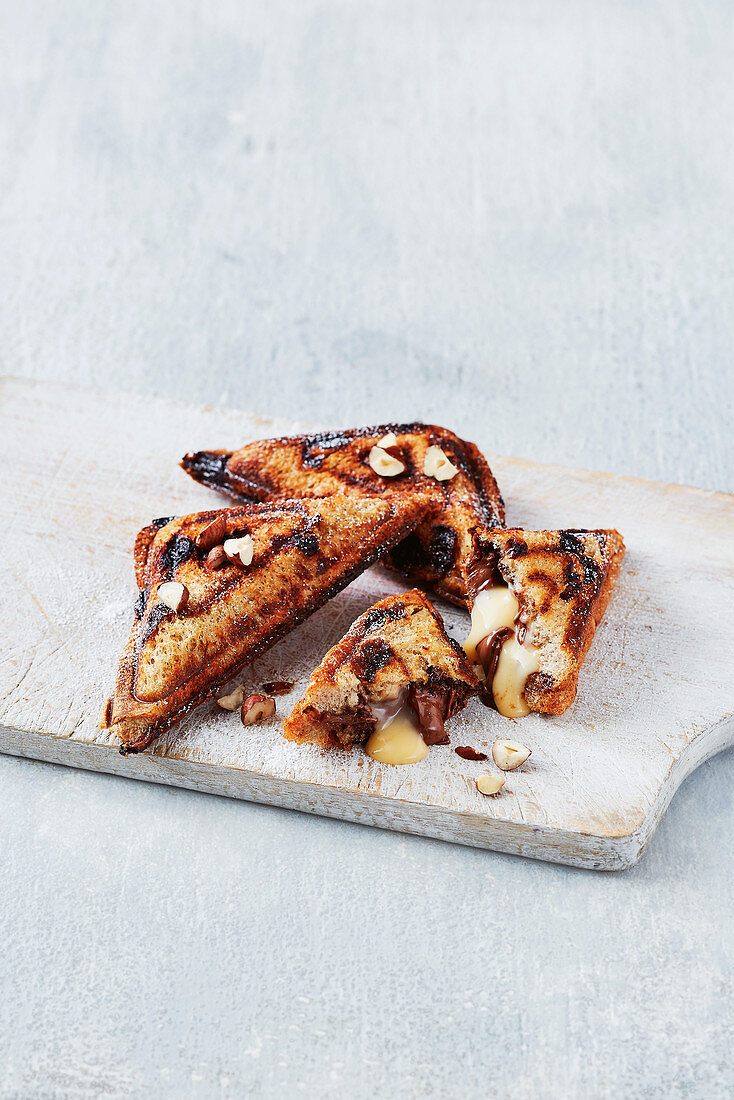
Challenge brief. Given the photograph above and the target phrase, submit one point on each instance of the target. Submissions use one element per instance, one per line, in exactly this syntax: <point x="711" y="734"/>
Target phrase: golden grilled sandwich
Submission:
<point x="392" y="681"/>
<point x="217" y="588"/>
<point x="389" y="460"/>
<point x="538" y="599"/>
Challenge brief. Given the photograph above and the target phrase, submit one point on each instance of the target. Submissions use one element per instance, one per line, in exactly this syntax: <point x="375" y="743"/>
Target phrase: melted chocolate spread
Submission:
<point x="429" y="712"/>
<point x="437" y="556"/>
<point x="481" y="573"/>
<point x="488" y="652"/>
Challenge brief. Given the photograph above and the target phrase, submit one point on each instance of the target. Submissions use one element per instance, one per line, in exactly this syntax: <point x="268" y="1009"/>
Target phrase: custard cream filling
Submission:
<point x="494" y="608"/>
<point x="397" y="739"/>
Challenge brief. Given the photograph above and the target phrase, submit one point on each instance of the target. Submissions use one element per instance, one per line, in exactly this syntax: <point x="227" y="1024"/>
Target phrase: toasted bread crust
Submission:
<point x="401" y="642"/>
<point x="563" y="581"/>
<point x="337" y="462"/>
<point x="304" y="553"/>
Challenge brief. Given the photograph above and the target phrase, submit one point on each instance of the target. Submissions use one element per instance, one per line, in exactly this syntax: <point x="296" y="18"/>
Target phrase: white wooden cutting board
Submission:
<point x="82" y="471"/>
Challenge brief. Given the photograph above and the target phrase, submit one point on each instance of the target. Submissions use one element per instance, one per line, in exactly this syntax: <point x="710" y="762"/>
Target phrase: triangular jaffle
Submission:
<point x="217" y="588"/>
<point x="392" y="681"/>
<point x="538" y="599"/>
<point x="388" y="459"/>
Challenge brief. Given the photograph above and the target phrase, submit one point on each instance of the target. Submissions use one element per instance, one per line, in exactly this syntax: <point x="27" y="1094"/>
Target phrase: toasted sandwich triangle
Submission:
<point x="435" y="554"/>
<point x="301" y="554"/>
<point x="397" y="650"/>
<point x="562" y="582"/>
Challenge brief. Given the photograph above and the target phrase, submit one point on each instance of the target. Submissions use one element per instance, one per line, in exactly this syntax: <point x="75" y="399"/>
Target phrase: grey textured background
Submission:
<point x="513" y="218"/>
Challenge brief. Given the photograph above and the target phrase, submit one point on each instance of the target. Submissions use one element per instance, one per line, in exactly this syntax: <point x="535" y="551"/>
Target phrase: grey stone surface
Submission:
<point x="512" y="218"/>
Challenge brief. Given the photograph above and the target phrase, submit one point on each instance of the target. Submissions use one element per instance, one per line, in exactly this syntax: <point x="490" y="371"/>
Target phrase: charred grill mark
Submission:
<point x="571" y="545"/>
<point x="378" y="616"/>
<point x="573" y="581"/>
<point x="316" y="447"/>
<point x="331" y="441"/>
<point x="246" y="488"/>
<point x="371" y="656"/>
<point x="177" y="550"/>
<point x="516" y="548"/>
<point x="141" y="602"/>
<point x="207" y="466"/>
<point x="306" y="542"/>
<point x="158" y="613"/>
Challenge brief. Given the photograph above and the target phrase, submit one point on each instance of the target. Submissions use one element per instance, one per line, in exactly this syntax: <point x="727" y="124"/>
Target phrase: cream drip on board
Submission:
<point x="496" y="608"/>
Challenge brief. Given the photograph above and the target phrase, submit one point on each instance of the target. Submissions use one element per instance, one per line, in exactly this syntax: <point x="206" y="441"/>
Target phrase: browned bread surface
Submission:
<point x="563" y="581"/>
<point x="400" y="642"/>
<point x="305" y="551"/>
<point x="337" y="462"/>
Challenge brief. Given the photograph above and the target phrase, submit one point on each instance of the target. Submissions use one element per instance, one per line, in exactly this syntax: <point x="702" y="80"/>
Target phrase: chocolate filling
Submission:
<point x="488" y="652"/>
<point x="349" y="727"/>
<point x="481" y="573"/>
<point x="430" y="705"/>
<point x="429" y="710"/>
<point x="436" y="555"/>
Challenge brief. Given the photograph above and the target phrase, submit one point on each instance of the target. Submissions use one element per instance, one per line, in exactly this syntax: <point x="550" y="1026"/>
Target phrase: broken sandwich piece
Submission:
<point x="392" y="682"/>
<point x="200" y="617"/>
<point x="538" y="599"/>
<point x="388" y="460"/>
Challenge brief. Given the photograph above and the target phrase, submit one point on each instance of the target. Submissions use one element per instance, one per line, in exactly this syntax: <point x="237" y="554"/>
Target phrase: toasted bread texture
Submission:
<point x="302" y="553"/>
<point x="563" y="581"/>
<point x="399" y="646"/>
<point x="435" y="554"/>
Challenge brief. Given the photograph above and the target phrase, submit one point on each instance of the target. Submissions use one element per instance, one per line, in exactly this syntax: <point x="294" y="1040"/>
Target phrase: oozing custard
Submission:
<point x="496" y="607"/>
<point x="397" y="739"/>
<point x="513" y="668"/>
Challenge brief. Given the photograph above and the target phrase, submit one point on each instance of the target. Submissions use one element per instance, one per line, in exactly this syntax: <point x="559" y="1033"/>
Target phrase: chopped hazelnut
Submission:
<point x="233" y="701"/>
<point x="278" y="687"/>
<point x="256" y="707"/>
<point x="385" y="464"/>
<point x="490" y="784"/>
<point x="437" y="464"/>
<point x="240" y="550"/>
<point x="173" y="594"/>
<point x="509" y="755"/>
<point x="216" y="558"/>
<point x="212" y="534"/>
<point x="466" y="752"/>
